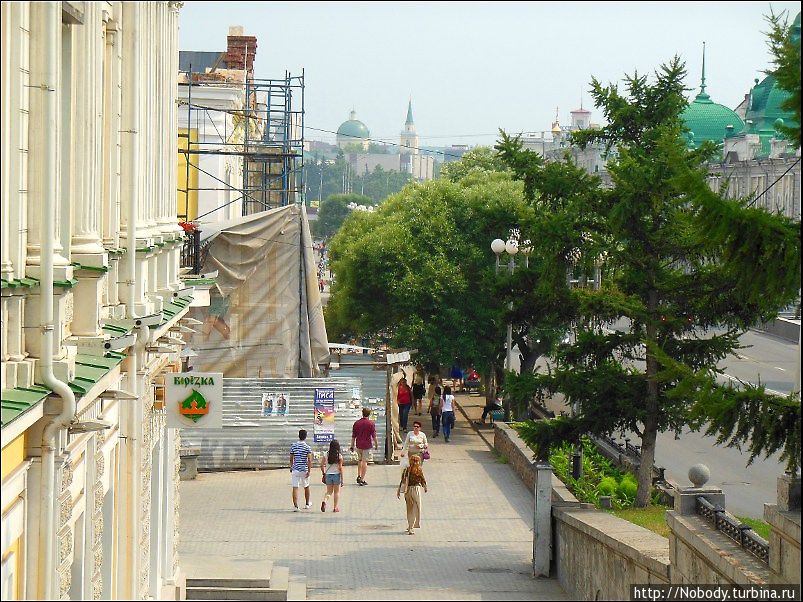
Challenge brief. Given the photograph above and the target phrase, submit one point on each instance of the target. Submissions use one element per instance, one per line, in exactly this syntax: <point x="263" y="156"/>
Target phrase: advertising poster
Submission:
<point x="275" y="404"/>
<point x="323" y="426"/>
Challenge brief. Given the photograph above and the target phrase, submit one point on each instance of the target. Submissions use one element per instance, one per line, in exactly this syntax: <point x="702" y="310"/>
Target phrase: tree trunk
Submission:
<point x="648" y="438"/>
<point x="651" y="419"/>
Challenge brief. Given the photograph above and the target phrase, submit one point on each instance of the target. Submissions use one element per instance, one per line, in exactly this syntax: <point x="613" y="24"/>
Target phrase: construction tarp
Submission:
<point x="265" y="318"/>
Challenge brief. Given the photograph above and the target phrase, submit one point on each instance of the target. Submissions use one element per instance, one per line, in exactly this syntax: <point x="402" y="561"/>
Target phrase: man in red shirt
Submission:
<point x="362" y="432"/>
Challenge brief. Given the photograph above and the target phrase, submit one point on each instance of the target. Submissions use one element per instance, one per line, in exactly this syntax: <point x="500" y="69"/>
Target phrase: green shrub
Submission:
<point x="607" y="486"/>
<point x="627" y="488"/>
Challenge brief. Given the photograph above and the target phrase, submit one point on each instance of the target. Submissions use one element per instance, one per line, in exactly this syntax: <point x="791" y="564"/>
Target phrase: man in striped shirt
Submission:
<point x="300" y="467"/>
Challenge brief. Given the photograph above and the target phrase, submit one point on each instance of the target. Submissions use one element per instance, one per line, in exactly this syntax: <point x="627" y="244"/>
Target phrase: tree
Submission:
<point x="481" y="159"/>
<point x="334" y="210"/>
<point x="419" y="273"/>
<point x="562" y="196"/>
<point x="685" y="272"/>
<point x="784" y="43"/>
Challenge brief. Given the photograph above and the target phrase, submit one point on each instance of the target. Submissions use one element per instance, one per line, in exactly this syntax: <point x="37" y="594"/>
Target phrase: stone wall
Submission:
<point x="598" y="556"/>
<point x="699" y="554"/>
<point x="595" y="555"/>
<point x="784" y="544"/>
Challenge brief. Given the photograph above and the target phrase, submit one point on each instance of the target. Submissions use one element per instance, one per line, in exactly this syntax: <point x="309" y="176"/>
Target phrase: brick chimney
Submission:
<point x="241" y="50"/>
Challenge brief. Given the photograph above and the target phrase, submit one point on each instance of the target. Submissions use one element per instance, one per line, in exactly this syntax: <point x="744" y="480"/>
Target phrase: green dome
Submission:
<point x="765" y="105"/>
<point x="708" y="120"/>
<point x="352" y="130"/>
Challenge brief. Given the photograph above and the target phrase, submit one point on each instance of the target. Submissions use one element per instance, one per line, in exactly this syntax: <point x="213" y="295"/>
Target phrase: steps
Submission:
<point x="225" y="579"/>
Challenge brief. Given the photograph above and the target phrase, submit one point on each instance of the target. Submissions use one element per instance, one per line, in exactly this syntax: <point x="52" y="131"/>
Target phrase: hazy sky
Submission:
<point x="473" y="67"/>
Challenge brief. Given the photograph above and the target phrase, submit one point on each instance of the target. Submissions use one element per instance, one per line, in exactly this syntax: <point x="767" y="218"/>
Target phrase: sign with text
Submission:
<point x="323" y="426"/>
<point x="194" y="399"/>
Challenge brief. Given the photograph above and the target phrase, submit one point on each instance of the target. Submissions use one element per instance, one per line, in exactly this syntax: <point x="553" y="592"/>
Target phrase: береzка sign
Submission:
<point x="194" y="400"/>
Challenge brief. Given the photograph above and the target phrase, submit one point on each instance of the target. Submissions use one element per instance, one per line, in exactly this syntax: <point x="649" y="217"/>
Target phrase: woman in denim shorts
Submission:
<point x="332" y="475"/>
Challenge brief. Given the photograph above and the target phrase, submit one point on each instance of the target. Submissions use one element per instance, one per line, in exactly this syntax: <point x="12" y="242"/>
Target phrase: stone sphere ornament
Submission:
<point x="699" y="475"/>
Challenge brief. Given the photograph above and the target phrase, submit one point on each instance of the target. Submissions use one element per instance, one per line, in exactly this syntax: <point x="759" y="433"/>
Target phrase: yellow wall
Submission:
<point x="13" y="456"/>
<point x="16" y="548"/>
<point x="192" y="210"/>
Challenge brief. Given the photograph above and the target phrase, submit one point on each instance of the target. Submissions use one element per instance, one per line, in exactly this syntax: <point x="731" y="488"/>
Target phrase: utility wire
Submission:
<point x="778" y="179"/>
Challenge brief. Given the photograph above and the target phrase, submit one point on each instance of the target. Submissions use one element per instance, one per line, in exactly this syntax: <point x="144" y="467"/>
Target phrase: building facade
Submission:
<point x="91" y="300"/>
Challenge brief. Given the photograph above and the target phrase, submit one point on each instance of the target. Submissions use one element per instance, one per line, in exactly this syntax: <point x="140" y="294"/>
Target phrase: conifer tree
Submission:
<point x="685" y="273"/>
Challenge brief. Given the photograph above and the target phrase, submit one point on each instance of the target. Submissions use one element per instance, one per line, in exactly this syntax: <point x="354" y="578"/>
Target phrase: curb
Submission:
<point x="474" y="427"/>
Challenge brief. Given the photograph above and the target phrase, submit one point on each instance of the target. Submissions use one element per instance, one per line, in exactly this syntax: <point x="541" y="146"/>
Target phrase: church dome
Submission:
<point x="708" y="120"/>
<point x="765" y="104"/>
<point x="352" y="130"/>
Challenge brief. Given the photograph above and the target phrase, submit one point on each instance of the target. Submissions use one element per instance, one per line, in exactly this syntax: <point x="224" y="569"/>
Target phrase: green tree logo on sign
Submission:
<point x="194" y="407"/>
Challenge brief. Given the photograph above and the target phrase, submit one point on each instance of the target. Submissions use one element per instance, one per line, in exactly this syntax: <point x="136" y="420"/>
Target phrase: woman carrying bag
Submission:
<point x="415" y="443"/>
<point x="412" y="481"/>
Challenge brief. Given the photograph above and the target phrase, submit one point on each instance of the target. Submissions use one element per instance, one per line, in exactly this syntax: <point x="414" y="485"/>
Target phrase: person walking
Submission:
<point x="363" y="431"/>
<point x="412" y="481"/>
<point x="415" y="443"/>
<point x="300" y="468"/>
<point x="404" y="399"/>
<point x="332" y="475"/>
<point x="418" y="389"/>
<point x="447" y="413"/>
<point x="434" y="410"/>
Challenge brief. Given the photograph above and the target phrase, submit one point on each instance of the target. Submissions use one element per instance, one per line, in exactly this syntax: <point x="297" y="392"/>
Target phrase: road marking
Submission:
<point x="767" y="390"/>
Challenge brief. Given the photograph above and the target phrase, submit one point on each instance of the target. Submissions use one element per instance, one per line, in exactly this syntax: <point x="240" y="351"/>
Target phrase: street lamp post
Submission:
<point x="511" y="247"/>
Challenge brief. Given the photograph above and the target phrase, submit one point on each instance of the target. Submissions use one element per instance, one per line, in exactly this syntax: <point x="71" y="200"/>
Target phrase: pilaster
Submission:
<point x="86" y="245"/>
<point x="45" y="138"/>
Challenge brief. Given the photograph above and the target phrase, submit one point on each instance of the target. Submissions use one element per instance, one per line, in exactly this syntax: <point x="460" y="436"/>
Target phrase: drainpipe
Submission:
<point x="131" y="191"/>
<point x="47" y="533"/>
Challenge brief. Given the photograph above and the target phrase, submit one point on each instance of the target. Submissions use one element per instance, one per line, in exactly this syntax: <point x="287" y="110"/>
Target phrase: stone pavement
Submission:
<point x="475" y="542"/>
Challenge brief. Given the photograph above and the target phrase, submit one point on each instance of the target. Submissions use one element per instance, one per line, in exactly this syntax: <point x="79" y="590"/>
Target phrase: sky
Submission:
<point x="474" y="67"/>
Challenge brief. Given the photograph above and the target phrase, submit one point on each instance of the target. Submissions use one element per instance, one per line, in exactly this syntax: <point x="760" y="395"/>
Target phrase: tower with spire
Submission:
<point x="408" y="140"/>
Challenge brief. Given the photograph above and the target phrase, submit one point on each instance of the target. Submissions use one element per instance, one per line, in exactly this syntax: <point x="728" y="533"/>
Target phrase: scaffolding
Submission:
<point x="266" y="134"/>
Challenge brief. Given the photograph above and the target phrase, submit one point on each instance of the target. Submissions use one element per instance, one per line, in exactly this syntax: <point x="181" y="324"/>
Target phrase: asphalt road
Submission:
<point x="768" y="360"/>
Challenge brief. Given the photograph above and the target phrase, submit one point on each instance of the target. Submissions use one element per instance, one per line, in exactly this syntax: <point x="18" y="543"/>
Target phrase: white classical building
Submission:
<point x="91" y="300"/>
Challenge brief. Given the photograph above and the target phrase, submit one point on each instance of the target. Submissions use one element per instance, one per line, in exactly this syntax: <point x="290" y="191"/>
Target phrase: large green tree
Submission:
<point x="419" y="272"/>
<point x="684" y="273"/>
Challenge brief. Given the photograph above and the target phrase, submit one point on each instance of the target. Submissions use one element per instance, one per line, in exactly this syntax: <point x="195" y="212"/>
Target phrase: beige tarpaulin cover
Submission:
<point x="265" y="318"/>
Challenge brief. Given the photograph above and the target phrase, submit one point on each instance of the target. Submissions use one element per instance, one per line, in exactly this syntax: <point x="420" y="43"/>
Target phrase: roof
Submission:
<point x="409" y="113"/>
<point x="89" y="370"/>
<point x="353" y="128"/>
<point x="199" y="61"/>
<point x="708" y="120"/>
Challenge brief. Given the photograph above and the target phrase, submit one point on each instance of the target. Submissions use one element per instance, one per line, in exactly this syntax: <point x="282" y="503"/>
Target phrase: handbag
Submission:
<point x="425" y="455"/>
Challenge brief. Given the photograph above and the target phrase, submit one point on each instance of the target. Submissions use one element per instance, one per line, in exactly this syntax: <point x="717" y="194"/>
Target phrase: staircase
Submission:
<point x="227" y="579"/>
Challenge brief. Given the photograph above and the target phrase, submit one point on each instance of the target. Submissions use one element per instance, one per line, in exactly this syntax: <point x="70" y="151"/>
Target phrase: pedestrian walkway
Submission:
<point x="475" y="541"/>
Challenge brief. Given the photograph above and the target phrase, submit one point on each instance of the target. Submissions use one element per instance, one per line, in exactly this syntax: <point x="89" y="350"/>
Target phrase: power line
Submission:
<point x="778" y="179"/>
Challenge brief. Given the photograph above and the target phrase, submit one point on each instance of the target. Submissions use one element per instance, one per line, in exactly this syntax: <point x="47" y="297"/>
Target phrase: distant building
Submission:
<point x="408" y="159"/>
<point x="352" y="132"/>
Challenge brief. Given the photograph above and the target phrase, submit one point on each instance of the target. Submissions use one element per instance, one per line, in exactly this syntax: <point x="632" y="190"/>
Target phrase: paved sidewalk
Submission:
<point x="475" y="542"/>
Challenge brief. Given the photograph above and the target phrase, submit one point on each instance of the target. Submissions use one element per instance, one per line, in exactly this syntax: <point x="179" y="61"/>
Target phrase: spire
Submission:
<point x="409" y="113"/>
<point x="702" y="95"/>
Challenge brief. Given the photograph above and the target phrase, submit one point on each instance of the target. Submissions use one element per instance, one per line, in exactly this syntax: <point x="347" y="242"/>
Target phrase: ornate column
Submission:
<point x="44" y="81"/>
<point x="172" y="145"/>
<point x="132" y="168"/>
<point x="110" y="223"/>
<point x="87" y="249"/>
<point x="49" y="81"/>
<point x="6" y="267"/>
